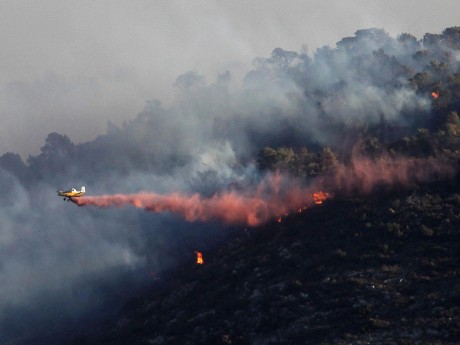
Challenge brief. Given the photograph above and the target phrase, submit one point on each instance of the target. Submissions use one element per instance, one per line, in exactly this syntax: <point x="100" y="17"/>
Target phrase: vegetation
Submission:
<point x="350" y="270"/>
<point x="302" y="163"/>
<point x="443" y="145"/>
<point x="399" y="94"/>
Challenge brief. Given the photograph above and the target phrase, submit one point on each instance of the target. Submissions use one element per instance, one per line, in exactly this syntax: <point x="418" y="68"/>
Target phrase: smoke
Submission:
<point x="31" y="110"/>
<point x="47" y="254"/>
<point x="193" y="160"/>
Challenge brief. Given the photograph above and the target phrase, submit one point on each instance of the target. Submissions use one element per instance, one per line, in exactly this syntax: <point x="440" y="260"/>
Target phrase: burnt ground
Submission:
<point x="369" y="270"/>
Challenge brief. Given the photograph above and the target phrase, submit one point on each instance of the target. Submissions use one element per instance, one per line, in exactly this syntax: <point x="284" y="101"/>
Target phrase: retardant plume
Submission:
<point x="278" y="195"/>
<point x="272" y="197"/>
<point x="363" y="174"/>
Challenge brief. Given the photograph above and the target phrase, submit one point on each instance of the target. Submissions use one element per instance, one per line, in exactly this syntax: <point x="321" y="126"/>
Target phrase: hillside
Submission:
<point x="373" y="121"/>
<point x="379" y="269"/>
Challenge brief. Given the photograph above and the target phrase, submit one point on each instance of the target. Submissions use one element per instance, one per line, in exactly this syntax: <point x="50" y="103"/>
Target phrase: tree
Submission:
<point x="451" y="37"/>
<point x="57" y="146"/>
<point x="304" y="158"/>
<point x="452" y="124"/>
<point x="422" y="81"/>
<point x="12" y="162"/>
<point x="282" y="58"/>
<point x="438" y="69"/>
<point x="56" y="155"/>
<point x="285" y="159"/>
<point x="347" y="43"/>
<point x="454" y="86"/>
<point x="431" y="39"/>
<point x="189" y="81"/>
<point x="374" y="34"/>
<point x="328" y="160"/>
<point x="408" y="40"/>
<point x="422" y="55"/>
<point x="266" y="159"/>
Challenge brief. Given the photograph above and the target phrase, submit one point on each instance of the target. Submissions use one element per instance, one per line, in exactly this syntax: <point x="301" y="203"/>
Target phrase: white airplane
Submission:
<point x="72" y="193"/>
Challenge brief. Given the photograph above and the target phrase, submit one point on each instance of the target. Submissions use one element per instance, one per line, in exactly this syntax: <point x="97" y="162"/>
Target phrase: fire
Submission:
<point x="319" y="197"/>
<point x="199" y="258"/>
<point x="435" y="94"/>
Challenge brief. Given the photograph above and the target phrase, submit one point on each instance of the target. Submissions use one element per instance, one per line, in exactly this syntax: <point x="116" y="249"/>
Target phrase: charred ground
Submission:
<point x="378" y="269"/>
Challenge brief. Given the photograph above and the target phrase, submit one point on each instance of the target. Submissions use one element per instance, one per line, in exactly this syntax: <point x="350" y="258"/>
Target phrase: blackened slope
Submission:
<point x="370" y="270"/>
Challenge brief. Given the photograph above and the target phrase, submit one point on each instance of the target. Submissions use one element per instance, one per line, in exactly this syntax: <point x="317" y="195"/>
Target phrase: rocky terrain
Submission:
<point x="380" y="269"/>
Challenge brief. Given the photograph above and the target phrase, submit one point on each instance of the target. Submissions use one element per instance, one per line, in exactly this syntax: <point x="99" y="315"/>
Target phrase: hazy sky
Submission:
<point x="71" y="66"/>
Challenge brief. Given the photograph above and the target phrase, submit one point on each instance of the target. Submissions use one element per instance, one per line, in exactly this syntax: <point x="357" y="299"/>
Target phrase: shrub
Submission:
<point x="426" y="231"/>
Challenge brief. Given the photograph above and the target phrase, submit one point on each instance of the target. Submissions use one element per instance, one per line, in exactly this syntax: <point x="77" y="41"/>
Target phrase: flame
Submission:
<point x="319" y="197"/>
<point x="435" y="94"/>
<point x="199" y="258"/>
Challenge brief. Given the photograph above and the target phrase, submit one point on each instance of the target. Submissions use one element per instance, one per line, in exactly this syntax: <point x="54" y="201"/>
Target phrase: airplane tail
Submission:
<point x="83" y="189"/>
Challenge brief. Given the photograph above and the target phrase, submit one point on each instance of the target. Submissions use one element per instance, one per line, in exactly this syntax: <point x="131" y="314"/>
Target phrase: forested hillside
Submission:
<point x="365" y="266"/>
<point x="371" y="87"/>
<point x="373" y="124"/>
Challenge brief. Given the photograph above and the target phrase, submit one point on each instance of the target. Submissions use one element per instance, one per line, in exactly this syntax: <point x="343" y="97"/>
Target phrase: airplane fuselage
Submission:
<point x="72" y="193"/>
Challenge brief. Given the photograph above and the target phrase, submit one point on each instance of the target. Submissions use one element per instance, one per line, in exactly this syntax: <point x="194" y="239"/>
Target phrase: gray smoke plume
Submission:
<point x="60" y="262"/>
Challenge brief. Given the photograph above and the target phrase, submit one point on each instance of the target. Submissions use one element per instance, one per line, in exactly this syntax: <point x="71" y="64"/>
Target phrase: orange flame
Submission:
<point x="435" y="94"/>
<point x="319" y="197"/>
<point x="199" y="258"/>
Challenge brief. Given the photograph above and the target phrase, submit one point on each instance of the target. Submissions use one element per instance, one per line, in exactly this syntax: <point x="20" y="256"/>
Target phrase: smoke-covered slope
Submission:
<point x="385" y="85"/>
<point x="396" y="98"/>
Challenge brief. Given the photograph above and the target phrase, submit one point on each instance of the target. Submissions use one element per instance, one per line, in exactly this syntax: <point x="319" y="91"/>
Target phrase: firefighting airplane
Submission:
<point x="73" y="193"/>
